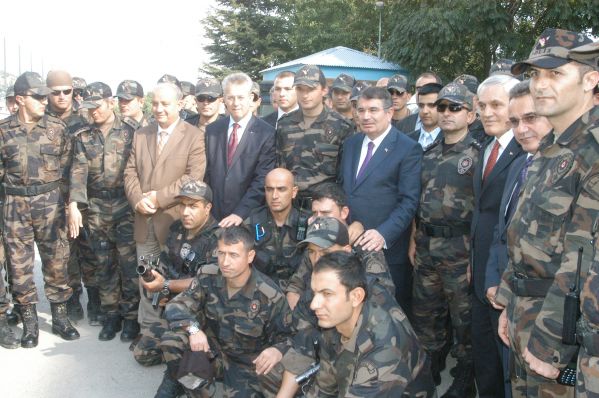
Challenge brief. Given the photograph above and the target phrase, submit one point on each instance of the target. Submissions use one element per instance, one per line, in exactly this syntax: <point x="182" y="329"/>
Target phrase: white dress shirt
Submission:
<point x="504" y="141"/>
<point x="243" y="123"/>
<point x="169" y="131"/>
<point x="426" y="138"/>
<point x="377" y="142"/>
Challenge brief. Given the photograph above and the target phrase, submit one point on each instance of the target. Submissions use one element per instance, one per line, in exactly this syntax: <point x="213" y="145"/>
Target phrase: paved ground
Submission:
<point x="83" y="368"/>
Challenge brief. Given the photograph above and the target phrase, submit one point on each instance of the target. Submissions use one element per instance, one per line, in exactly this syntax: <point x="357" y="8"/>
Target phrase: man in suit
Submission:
<point x="163" y="155"/>
<point x="241" y="151"/>
<point x="382" y="166"/>
<point x="489" y="180"/>
<point x="429" y="130"/>
<point x="413" y="122"/>
<point x="284" y="92"/>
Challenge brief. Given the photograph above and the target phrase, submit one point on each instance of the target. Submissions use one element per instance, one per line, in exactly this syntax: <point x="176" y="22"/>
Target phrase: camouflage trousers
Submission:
<point x="239" y="380"/>
<point x="521" y="313"/>
<point x="441" y="290"/>
<point x="587" y="375"/>
<point x="4" y="300"/>
<point x="37" y="220"/>
<point x="111" y="234"/>
<point x="82" y="263"/>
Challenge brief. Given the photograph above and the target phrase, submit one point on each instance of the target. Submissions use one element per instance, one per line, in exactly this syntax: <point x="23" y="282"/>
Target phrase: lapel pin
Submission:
<point x="386" y="150"/>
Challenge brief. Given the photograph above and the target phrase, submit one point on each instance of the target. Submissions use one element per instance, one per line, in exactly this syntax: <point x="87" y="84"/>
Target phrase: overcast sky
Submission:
<point x="107" y="40"/>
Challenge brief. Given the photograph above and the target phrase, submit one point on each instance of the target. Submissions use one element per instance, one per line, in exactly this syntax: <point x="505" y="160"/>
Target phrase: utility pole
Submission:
<point x="379" y="5"/>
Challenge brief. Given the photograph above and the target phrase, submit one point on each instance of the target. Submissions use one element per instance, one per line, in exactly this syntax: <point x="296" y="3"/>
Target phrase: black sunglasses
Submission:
<point x="56" y="93"/>
<point x="396" y="92"/>
<point x="206" y="98"/>
<point x="453" y="108"/>
<point x="37" y="97"/>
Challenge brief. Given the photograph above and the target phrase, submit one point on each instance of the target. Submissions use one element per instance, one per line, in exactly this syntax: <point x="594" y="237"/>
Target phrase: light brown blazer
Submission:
<point x="182" y="158"/>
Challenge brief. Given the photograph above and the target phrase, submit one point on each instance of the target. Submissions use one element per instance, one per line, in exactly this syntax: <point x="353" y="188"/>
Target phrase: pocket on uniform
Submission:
<point x="327" y="154"/>
<point x="51" y="155"/>
<point x="10" y="158"/>
<point x="547" y="218"/>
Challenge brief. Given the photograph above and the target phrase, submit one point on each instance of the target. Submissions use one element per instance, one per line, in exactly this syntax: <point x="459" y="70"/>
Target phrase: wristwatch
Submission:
<point x="165" y="290"/>
<point x="193" y="328"/>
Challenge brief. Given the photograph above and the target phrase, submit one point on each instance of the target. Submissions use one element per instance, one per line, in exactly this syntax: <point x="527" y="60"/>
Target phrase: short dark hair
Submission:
<point x="348" y="268"/>
<point x="330" y="190"/>
<point x="380" y="93"/>
<point x="236" y="234"/>
<point x="431" y="74"/>
<point x="284" y="74"/>
<point x="520" y="90"/>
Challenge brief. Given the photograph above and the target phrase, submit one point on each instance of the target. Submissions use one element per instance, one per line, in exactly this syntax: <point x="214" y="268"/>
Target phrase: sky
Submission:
<point x="106" y="40"/>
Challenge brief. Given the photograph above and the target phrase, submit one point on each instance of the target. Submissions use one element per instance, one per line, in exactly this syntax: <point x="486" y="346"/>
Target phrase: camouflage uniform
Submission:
<point x="442" y="246"/>
<point x="147" y="351"/>
<point x="32" y="170"/>
<point x="239" y="328"/>
<point x="277" y="254"/>
<point x="555" y="215"/>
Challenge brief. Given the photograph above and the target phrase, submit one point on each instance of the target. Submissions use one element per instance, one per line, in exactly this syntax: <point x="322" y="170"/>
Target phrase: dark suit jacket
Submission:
<point x="272" y="118"/>
<point x="407" y="124"/>
<point x="386" y="195"/>
<point x="498" y="253"/>
<point x="239" y="189"/>
<point x="487" y="197"/>
<point x="415" y="135"/>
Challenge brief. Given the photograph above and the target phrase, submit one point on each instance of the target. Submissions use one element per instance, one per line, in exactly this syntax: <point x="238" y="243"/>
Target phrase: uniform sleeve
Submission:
<point x="297" y="282"/>
<point x="78" y="173"/>
<point x="131" y="176"/>
<point x="181" y="311"/>
<point x="278" y="328"/>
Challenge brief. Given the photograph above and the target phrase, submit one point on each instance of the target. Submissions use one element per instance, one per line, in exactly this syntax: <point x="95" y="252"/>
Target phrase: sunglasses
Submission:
<point x="453" y="108"/>
<point x="56" y="93"/>
<point x="206" y="98"/>
<point x="396" y="92"/>
<point x="37" y="97"/>
<point x="430" y="105"/>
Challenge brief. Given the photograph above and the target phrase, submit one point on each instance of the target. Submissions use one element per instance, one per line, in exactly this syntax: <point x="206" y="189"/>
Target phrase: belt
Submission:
<point x="31" y="190"/>
<point x="588" y="337"/>
<point x="444" y="231"/>
<point x="525" y="287"/>
<point x="113" y="193"/>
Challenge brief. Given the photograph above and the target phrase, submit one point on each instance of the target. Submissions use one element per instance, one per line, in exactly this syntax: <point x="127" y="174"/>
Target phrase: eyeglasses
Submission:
<point x="56" y="93"/>
<point x="396" y="92"/>
<point x="526" y="119"/>
<point x="430" y="105"/>
<point x="372" y="111"/>
<point x="453" y="108"/>
<point x="206" y="98"/>
<point x="37" y="97"/>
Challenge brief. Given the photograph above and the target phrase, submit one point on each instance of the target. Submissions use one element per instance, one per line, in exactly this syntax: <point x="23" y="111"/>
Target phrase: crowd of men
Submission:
<point x="343" y="245"/>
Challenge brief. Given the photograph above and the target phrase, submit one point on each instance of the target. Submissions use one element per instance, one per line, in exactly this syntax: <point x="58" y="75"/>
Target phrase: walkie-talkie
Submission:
<point x="572" y="306"/>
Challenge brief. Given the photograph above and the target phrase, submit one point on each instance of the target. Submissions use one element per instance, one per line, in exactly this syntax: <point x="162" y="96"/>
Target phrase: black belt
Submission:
<point x="444" y="231"/>
<point x="525" y="287"/>
<point x="31" y="190"/>
<point x="113" y="193"/>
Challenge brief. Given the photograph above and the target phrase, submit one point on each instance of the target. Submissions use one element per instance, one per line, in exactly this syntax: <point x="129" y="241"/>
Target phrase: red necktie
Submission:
<point x="232" y="146"/>
<point x="492" y="160"/>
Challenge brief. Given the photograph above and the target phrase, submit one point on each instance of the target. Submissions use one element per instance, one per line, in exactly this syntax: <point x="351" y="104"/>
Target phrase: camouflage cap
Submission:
<point x="311" y="76"/>
<point x="471" y="82"/>
<point x="79" y="83"/>
<point x="195" y="189"/>
<point x="398" y="82"/>
<point x="357" y="90"/>
<point x="10" y="92"/>
<point x="344" y="82"/>
<point x="166" y="78"/>
<point x="30" y="82"/>
<point x="587" y="54"/>
<point x="187" y="88"/>
<point x="456" y="93"/>
<point x="129" y="89"/>
<point x="325" y="232"/>
<point x="93" y="93"/>
<point x="209" y="86"/>
<point x="551" y="49"/>
<point x="503" y="66"/>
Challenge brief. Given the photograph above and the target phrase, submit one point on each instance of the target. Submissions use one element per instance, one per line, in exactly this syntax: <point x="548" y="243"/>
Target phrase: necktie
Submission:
<point x="511" y="207"/>
<point x="232" y="146"/>
<point x="366" y="160"/>
<point x="162" y="136"/>
<point x="492" y="160"/>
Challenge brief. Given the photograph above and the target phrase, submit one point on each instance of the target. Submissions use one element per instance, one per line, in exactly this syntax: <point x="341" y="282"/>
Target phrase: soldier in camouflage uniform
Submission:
<point x="556" y="214"/>
<point x="209" y="98"/>
<point x="341" y="94"/>
<point x="81" y="265"/>
<point x="96" y="181"/>
<point x="11" y="103"/>
<point x="79" y="85"/>
<point x="191" y="243"/>
<point x="7" y="336"/>
<point x="237" y="313"/>
<point x="131" y="99"/>
<point x="309" y="140"/>
<point x="441" y="288"/>
<point x="398" y="88"/>
<point x="35" y="151"/>
<point x="277" y="228"/>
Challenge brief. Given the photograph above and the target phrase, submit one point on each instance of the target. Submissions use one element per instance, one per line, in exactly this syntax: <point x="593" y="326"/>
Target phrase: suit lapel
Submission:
<point x="355" y="158"/>
<point x="381" y="153"/>
<point x="173" y="141"/>
<point x="244" y="142"/>
<point x="510" y="152"/>
<point x="151" y="138"/>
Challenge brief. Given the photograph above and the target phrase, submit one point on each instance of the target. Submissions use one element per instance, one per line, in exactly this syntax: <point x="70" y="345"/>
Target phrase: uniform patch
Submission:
<point x="464" y="164"/>
<point x="185" y="249"/>
<point x="126" y="135"/>
<point x="367" y="370"/>
<point x="51" y="133"/>
<point x="561" y="167"/>
<point x="254" y="308"/>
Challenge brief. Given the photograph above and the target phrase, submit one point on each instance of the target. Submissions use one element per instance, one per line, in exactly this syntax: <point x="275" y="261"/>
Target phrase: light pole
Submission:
<point x="379" y="5"/>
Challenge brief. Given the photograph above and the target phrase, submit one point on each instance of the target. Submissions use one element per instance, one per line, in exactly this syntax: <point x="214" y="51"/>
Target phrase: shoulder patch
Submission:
<point x="464" y="164"/>
<point x="269" y="291"/>
<point x="131" y="123"/>
<point x="209" y="269"/>
<point x="562" y="165"/>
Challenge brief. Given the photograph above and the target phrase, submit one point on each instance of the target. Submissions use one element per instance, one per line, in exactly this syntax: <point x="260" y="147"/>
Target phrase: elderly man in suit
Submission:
<point x="164" y="154"/>
<point x="241" y="151"/>
<point x="382" y="166"/>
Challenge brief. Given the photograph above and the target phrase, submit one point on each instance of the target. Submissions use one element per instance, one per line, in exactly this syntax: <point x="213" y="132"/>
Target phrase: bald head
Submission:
<point x="280" y="190"/>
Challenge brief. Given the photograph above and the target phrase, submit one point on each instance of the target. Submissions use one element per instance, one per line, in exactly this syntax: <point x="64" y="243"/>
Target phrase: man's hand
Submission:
<point x="152" y="196"/>
<point x="155" y="285"/>
<point x="199" y="342"/>
<point x="75" y="220"/>
<point x="542" y="368"/>
<point x="491" y="293"/>
<point x="354" y="230"/>
<point x="412" y="251"/>
<point x="371" y="240"/>
<point x="469" y="273"/>
<point x="145" y="206"/>
<point x="267" y="360"/>
<point x="231" y="221"/>
<point x="292" y="299"/>
<point x="502" y="328"/>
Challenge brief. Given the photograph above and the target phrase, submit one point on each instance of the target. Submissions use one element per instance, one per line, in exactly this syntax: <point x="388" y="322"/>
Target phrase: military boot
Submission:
<point x="130" y="330"/>
<point x="7" y="336"/>
<point x="74" y="308"/>
<point x="170" y="387"/>
<point x="31" y="330"/>
<point x="112" y="325"/>
<point x="95" y="316"/>
<point x="12" y="316"/>
<point x="60" y="322"/>
<point x="463" y="383"/>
